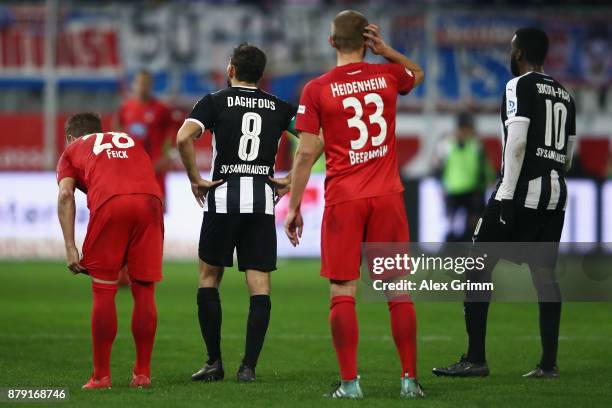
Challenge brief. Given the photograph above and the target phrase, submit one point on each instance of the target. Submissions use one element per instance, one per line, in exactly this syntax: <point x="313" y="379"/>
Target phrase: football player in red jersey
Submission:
<point x="126" y="227"/>
<point x="354" y="105"/>
<point x="147" y="119"/>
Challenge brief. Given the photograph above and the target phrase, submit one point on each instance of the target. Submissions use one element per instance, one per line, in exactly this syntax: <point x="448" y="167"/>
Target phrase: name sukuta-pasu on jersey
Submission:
<point x="246" y="124"/>
<point x="549" y="109"/>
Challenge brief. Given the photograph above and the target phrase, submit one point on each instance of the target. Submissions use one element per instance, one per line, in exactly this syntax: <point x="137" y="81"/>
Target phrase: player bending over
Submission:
<point x="246" y="125"/>
<point x="126" y="227"/>
<point x="355" y="105"/>
<point x="539" y="129"/>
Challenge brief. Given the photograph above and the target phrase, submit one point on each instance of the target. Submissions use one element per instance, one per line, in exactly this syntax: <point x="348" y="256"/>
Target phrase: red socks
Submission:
<point x="144" y="325"/>
<point x="403" y="328"/>
<point x="345" y="334"/>
<point x="103" y="327"/>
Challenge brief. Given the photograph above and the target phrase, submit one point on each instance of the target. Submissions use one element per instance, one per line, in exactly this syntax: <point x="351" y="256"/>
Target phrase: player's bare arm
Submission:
<point x="184" y="140"/>
<point x="309" y="150"/>
<point x="378" y="46"/>
<point x="66" y="210"/>
<point x="283" y="184"/>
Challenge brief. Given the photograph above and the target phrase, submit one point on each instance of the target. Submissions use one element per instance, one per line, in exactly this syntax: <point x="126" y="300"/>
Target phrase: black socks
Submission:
<point x="257" y="325"/>
<point x="550" y="317"/>
<point x="209" y="315"/>
<point x="476" y="326"/>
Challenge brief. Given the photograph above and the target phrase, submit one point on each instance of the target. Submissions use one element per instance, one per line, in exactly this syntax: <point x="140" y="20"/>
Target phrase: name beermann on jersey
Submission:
<point x="347" y="88"/>
<point x="362" y="157"/>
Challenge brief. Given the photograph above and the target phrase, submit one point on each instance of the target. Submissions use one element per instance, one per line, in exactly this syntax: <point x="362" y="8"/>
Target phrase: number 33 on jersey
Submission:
<point x="355" y="105"/>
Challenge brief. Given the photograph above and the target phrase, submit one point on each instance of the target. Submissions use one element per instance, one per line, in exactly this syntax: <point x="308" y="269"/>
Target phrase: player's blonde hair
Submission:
<point x="347" y="31"/>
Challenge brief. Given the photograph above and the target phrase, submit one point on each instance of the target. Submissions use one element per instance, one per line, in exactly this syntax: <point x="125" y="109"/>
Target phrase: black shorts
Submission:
<point x="543" y="227"/>
<point x="252" y="235"/>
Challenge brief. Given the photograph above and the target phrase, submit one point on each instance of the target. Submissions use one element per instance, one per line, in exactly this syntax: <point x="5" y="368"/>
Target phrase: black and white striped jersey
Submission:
<point x="547" y="106"/>
<point x="247" y="124"/>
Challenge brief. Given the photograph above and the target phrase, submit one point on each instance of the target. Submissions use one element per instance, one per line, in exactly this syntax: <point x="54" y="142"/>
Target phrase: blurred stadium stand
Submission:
<point x="95" y="47"/>
<point x="186" y="45"/>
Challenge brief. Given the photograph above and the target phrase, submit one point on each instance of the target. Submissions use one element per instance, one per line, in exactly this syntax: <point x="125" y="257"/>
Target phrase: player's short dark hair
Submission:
<point x="347" y="30"/>
<point x="534" y="44"/>
<point x="465" y="120"/>
<point x="82" y="124"/>
<point x="249" y="61"/>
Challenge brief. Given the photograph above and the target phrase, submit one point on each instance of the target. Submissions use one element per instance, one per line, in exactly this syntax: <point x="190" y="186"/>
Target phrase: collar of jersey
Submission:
<point x="242" y="86"/>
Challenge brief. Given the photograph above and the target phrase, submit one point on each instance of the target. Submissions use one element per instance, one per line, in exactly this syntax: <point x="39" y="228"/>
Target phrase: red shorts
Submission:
<point x="126" y="230"/>
<point x="347" y="225"/>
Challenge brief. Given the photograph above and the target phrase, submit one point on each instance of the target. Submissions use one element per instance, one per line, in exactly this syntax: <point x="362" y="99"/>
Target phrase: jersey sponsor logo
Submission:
<point x="251" y="103"/>
<point x="363" y="157"/>
<point x="347" y="88"/>
<point x="244" y="169"/>
<point x="550" y="154"/>
<point x="301" y="109"/>
<point x="511" y="107"/>
<point x="555" y="91"/>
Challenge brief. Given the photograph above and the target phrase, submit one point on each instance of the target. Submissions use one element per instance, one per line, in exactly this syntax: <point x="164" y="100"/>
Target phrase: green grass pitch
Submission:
<point x="45" y="342"/>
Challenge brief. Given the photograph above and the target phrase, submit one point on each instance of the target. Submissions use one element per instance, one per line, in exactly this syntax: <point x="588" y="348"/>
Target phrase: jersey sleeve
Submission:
<point x="202" y="113"/>
<point x="65" y="168"/>
<point x="308" y="118"/>
<point x="403" y="76"/>
<point x="572" y="120"/>
<point x="291" y="113"/>
<point x="519" y="105"/>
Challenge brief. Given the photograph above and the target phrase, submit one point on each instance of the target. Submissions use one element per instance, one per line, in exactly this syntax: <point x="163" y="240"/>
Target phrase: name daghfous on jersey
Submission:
<point x="550" y="154"/>
<point x="558" y="92"/>
<point x="362" y="157"/>
<point x="245" y="168"/>
<point x="251" y="103"/>
<point x="347" y="88"/>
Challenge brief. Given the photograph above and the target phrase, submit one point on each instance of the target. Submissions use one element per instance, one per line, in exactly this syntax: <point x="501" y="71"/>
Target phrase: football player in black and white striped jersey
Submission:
<point x="238" y="200"/>
<point x="539" y="132"/>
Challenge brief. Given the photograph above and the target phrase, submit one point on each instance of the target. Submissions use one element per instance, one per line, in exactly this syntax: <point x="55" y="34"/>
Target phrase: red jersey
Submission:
<point x="108" y="164"/>
<point x="149" y="122"/>
<point x="355" y="106"/>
